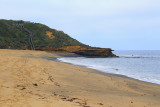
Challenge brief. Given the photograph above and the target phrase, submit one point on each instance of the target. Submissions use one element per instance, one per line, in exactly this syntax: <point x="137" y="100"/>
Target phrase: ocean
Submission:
<point x="141" y="65"/>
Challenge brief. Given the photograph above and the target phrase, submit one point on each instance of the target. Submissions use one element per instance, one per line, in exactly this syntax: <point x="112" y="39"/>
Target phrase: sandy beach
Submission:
<point x="29" y="79"/>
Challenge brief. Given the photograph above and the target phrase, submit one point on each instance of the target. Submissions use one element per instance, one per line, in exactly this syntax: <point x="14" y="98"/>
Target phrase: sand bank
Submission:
<point x="28" y="80"/>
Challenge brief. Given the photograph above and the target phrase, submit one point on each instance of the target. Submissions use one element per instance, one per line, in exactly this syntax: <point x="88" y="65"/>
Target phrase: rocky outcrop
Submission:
<point x="88" y="52"/>
<point x="96" y="52"/>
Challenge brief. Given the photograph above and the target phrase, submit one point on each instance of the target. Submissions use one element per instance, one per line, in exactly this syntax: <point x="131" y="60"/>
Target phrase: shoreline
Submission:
<point x="28" y="80"/>
<point x="96" y="71"/>
<point x="105" y="73"/>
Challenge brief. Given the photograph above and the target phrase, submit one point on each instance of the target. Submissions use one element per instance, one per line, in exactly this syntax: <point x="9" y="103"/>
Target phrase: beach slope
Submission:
<point x="29" y="79"/>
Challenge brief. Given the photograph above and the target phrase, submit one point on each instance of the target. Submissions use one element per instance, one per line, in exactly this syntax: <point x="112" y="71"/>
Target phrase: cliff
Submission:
<point x="83" y="51"/>
<point x="36" y="36"/>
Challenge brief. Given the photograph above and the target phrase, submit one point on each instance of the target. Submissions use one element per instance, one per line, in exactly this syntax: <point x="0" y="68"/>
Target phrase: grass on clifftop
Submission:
<point x="13" y="37"/>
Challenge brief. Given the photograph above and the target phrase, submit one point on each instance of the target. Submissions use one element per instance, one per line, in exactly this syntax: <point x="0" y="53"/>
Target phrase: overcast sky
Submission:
<point x="116" y="24"/>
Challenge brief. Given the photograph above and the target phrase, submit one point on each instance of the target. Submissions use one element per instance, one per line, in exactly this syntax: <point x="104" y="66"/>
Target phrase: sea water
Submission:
<point x="141" y="65"/>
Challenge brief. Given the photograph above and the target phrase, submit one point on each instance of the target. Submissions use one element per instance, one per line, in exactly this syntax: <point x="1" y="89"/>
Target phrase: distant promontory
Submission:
<point x="35" y="36"/>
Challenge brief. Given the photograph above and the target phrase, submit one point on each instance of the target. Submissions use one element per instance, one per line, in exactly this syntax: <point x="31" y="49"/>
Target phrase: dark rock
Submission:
<point x="35" y="84"/>
<point x="88" y="52"/>
<point x="96" y="52"/>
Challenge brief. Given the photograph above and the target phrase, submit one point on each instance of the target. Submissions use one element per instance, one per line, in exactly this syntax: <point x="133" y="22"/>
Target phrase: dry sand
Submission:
<point x="26" y="80"/>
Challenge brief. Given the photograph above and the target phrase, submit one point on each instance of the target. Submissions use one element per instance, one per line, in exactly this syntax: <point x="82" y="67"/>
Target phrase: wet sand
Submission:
<point x="29" y="79"/>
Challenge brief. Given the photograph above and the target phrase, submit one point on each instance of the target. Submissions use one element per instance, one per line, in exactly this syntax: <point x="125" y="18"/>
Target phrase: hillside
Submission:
<point x="36" y="36"/>
<point x="12" y="36"/>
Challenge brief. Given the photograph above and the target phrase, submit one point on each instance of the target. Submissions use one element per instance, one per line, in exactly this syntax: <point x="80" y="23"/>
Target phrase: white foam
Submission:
<point x="113" y="66"/>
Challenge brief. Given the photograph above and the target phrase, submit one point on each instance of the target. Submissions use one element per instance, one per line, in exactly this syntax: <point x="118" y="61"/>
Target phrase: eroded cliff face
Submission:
<point x="50" y="35"/>
<point x="96" y="52"/>
<point x="88" y="52"/>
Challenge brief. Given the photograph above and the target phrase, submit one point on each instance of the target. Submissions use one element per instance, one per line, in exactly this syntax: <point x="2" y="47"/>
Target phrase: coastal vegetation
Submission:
<point x="13" y="37"/>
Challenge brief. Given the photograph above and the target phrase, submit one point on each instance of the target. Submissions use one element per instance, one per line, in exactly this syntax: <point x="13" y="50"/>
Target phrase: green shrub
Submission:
<point x="11" y="35"/>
